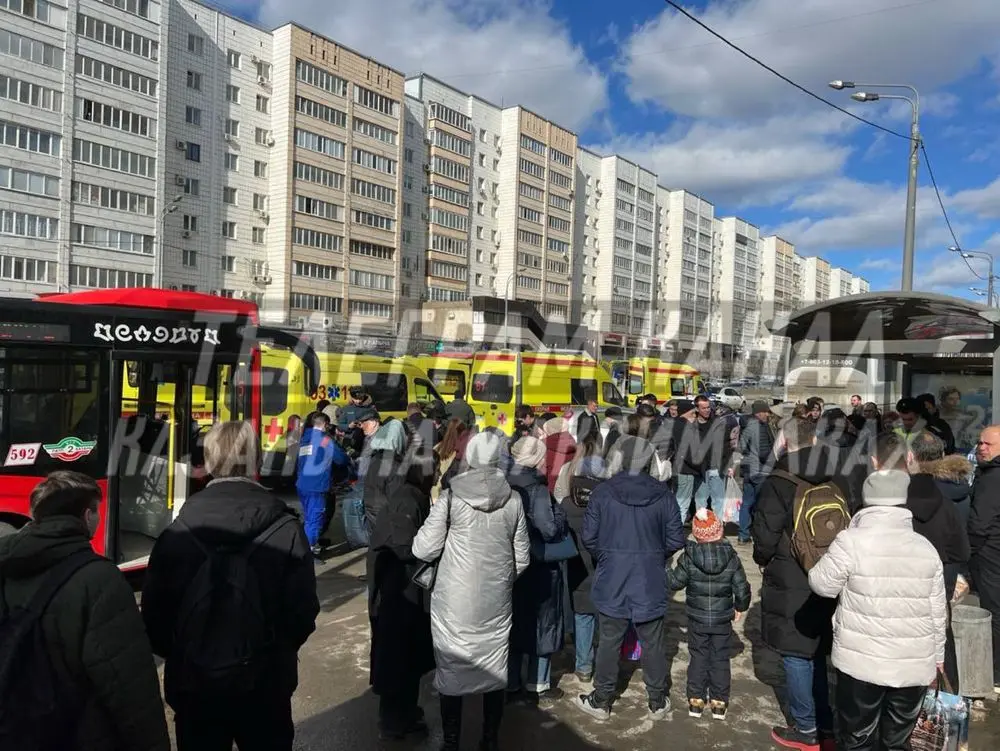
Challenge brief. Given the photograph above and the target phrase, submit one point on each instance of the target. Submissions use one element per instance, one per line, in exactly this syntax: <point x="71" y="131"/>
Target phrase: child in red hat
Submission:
<point x="717" y="594"/>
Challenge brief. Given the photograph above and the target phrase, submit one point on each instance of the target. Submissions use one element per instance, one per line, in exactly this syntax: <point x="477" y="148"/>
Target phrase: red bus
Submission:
<point x="63" y="361"/>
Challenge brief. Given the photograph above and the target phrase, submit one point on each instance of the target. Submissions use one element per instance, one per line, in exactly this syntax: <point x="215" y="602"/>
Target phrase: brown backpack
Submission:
<point x="819" y="514"/>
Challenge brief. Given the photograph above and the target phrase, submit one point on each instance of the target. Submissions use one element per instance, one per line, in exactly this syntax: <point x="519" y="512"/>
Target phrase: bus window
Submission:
<point x="678" y="387"/>
<point x="635" y="384"/>
<point x="447" y="382"/>
<point x="582" y="390"/>
<point x="387" y="390"/>
<point x="612" y="395"/>
<point x="487" y="387"/>
<point x="274" y="390"/>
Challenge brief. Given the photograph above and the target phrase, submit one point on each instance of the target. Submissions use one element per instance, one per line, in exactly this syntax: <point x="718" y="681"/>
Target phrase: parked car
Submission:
<point x="731" y="397"/>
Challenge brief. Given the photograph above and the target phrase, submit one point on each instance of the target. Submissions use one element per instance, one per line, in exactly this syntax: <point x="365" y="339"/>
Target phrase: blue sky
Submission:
<point x="638" y="79"/>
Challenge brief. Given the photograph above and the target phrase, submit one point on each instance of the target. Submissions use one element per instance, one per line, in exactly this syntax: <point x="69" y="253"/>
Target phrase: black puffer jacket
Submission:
<point x="234" y="512"/>
<point x="984" y="517"/>
<point x="716" y="583"/>
<point x="95" y="634"/>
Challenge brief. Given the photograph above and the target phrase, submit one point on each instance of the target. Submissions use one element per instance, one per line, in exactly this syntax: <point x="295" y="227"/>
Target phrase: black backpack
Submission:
<point x="38" y="710"/>
<point x="223" y="632"/>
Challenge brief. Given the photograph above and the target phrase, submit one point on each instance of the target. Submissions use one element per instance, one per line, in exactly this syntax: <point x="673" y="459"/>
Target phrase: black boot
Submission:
<point x="492" y="715"/>
<point x="451" y="722"/>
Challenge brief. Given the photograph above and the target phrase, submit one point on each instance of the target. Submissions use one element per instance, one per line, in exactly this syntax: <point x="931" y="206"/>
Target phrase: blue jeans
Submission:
<point x="584" y="625"/>
<point x="539" y="673"/>
<point x="751" y="487"/>
<point x="711" y="484"/>
<point x="808" y="693"/>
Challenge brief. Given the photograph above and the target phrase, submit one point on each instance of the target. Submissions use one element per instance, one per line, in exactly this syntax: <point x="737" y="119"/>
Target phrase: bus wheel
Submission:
<point x="7" y="529"/>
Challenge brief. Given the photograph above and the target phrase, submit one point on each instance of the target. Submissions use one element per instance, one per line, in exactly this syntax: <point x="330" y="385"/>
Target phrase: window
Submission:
<point x="111" y="74"/>
<point x="29" y="139"/>
<point x="369" y="219"/>
<point x="194" y="80"/>
<point x="530" y="215"/>
<point x="557" y="267"/>
<point x="233" y="128"/>
<point x="451" y="195"/>
<point x="624" y="226"/>
<point x="449" y="271"/>
<point x="96" y="277"/>
<point x="262" y="137"/>
<point x="372" y="250"/>
<point x="374" y="161"/>
<point x="625" y="186"/>
<point x="556" y="288"/>
<point x="111" y="239"/>
<point x="322" y="144"/>
<point x="232" y="93"/>
<point x="320" y="303"/>
<point x="114" y="36"/>
<point x="528" y="167"/>
<point x="259" y="202"/>
<point x="22" y="224"/>
<point x="560" y="158"/>
<point x="25" y="181"/>
<point x="646" y="196"/>
<point x="30" y="49"/>
<point x="189" y="258"/>
<point x="232" y="162"/>
<point x="229" y="196"/>
<point x="558" y="246"/>
<point x="452" y="169"/>
<point x="371" y="280"/>
<point x="622" y="205"/>
<point x="377" y="132"/>
<point x="192" y="115"/>
<point x="450" y="245"/>
<point x="529" y="143"/>
<point x="318" y="175"/>
<point x="559" y="179"/>
<point x="313" y="76"/>
<point x="27" y="270"/>
<point x="452" y="117"/>
<point x="190" y="223"/>
<point x="192" y="151"/>
<point x="40" y="10"/>
<point x="316" y="271"/>
<point x="408" y="155"/>
<point x="264" y="70"/>
<point x="229" y="230"/>
<point x="234" y="58"/>
<point x="374" y="101"/>
<point x="114" y="117"/>
<point x="559" y="202"/>
<point x="258" y="235"/>
<point x="487" y="387"/>
<point x="450" y="219"/>
<point x="529" y="260"/>
<point x="111" y="158"/>
<point x="529" y="238"/>
<point x="316" y="207"/>
<point x="320" y="111"/>
<point x="196" y="44"/>
<point x="259" y="168"/>
<point x="374" y="310"/>
<point x="530" y="191"/>
<point x="192" y="186"/>
<point x="447" y="141"/>
<point x="373" y="191"/>
<point x="29" y="93"/>
<point x="314" y="239"/>
<point x="263" y="104"/>
<point x="558" y="224"/>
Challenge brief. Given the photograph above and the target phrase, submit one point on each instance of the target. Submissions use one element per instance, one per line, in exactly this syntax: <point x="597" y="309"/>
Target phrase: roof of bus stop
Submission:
<point x="926" y="330"/>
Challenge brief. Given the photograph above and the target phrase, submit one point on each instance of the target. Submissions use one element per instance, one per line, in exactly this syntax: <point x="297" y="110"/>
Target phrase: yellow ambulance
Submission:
<point x="448" y="371"/>
<point x="667" y="380"/>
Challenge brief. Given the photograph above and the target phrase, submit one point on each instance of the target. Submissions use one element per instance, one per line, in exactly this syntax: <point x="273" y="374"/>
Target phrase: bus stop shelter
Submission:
<point x="940" y="341"/>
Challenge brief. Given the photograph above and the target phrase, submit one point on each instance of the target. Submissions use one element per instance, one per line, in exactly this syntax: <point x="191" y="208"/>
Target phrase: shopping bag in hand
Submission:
<point x="943" y="724"/>
<point x="734" y="499"/>
<point x="631" y="649"/>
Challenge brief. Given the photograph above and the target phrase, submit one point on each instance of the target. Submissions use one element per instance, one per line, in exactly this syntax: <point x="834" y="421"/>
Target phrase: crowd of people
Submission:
<point x="486" y="551"/>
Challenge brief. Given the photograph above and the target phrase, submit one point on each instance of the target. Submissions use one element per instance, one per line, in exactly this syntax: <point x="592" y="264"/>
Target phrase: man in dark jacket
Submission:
<point x="702" y="455"/>
<point x="984" y="533"/>
<point x="632" y="528"/>
<point x="460" y="409"/>
<point x="588" y="422"/>
<point x="935" y="424"/>
<point x="795" y="622"/>
<point x="232" y="513"/>
<point x="756" y="444"/>
<point x="91" y="626"/>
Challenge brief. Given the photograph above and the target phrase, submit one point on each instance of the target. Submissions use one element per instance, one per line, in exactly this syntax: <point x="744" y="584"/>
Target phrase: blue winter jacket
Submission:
<point x="319" y="454"/>
<point x="632" y="527"/>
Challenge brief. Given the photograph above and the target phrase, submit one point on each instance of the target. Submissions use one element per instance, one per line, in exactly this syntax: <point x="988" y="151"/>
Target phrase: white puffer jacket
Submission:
<point x="889" y="628"/>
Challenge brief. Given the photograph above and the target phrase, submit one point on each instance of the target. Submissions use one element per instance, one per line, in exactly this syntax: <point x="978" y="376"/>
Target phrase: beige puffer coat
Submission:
<point x="889" y="628"/>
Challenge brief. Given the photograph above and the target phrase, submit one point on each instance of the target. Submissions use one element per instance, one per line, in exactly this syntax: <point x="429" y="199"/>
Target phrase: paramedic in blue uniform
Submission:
<point x="318" y="455"/>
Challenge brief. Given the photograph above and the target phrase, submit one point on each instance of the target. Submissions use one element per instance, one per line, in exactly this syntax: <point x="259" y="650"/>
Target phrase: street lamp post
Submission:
<point x="910" y="226"/>
<point x="988" y="257"/>
<point x="506" y="310"/>
<point x="161" y="229"/>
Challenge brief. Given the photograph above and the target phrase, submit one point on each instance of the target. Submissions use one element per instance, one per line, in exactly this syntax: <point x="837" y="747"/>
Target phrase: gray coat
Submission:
<point x="478" y="532"/>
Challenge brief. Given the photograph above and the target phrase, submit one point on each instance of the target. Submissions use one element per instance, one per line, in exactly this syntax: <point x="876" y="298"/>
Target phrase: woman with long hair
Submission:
<point x="448" y="451"/>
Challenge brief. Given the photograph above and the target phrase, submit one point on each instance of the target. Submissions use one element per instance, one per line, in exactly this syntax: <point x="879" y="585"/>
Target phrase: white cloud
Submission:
<point x="878" y="264"/>
<point x="509" y="51"/>
<point x="670" y="60"/>
<point x="948" y="272"/>
<point x="983" y="202"/>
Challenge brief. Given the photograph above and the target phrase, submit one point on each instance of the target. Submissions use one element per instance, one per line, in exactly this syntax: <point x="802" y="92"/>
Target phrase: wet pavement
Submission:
<point x="334" y="708"/>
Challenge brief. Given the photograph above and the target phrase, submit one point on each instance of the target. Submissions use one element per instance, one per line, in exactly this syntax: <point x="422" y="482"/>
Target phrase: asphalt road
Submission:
<point x="334" y="708"/>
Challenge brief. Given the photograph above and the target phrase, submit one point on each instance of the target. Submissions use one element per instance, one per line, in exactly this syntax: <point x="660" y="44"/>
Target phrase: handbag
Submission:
<point x="426" y="574"/>
<point x="734" y="500"/>
<point x="562" y="549"/>
<point x="943" y="722"/>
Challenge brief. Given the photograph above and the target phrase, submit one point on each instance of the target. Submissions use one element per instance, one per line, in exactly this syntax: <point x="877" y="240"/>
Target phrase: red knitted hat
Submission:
<point x="706" y="526"/>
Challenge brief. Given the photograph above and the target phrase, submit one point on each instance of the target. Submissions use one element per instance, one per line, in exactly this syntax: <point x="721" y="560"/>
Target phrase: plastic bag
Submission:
<point x="734" y="500"/>
<point x="943" y="724"/>
<point x="631" y="648"/>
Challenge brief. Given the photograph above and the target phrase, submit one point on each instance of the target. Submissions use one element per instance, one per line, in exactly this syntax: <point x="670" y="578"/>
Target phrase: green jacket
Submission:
<point x="96" y="636"/>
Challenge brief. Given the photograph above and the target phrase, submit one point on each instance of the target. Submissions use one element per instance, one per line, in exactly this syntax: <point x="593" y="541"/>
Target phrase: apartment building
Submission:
<point x="738" y="284"/>
<point x="616" y="238"/>
<point x="814" y="278"/>
<point x="859" y="286"/>
<point x="685" y="306"/>
<point x="779" y="290"/>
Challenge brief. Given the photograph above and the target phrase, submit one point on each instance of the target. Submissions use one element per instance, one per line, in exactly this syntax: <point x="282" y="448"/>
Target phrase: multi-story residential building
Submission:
<point x="738" y="284"/>
<point x="814" y="278"/>
<point x="779" y="291"/>
<point x="616" y="236"/>
<point x="685" y="306"/>
<point x="843" y="283"/>
<point x="859" y="286"/>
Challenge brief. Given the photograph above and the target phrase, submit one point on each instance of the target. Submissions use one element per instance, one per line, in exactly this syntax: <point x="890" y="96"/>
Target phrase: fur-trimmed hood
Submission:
<point x="952" y="468"/>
